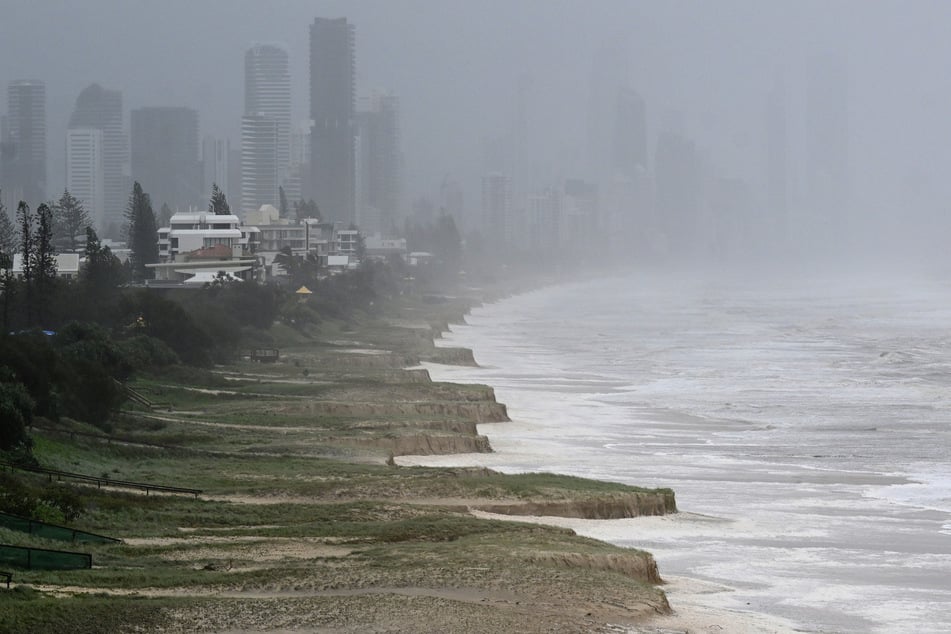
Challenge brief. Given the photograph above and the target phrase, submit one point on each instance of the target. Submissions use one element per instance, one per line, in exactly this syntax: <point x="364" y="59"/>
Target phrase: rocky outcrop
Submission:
<point x="598" y="508"/>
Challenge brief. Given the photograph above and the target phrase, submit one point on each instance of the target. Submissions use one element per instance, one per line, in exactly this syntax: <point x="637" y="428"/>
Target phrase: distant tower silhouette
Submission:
<point x="164" y="153"/>
<point x="259" y="149"/>
<point x="332" y="105"/>
<point x="630" y="134"/>
<point x="101" y="109"/>
<point x="85" y="175"/>
<point x="267" y="93"/>
<point x="24" y="143"/>
<point x="378" y="162"/>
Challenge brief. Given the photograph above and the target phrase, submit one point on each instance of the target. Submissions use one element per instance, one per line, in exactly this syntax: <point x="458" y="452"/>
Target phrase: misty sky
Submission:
<point x="455" y="66"/>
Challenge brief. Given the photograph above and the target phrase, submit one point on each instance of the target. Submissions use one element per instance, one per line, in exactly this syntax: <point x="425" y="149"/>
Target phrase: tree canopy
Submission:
<point x="142" y="233"/>
<point x="70" y="222"/>
<point x="283" y="210"/>
<point x="8" y="238"/>
<point x="306" y="209"/>
<point x="218" y="204"/>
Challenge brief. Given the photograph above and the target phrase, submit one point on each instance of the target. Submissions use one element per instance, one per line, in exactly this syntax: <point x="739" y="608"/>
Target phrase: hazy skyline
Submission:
<point x="456" y="67"/>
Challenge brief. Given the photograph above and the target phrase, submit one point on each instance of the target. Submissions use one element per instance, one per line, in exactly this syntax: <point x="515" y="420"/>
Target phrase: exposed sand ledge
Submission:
<point x="611" y="507"/>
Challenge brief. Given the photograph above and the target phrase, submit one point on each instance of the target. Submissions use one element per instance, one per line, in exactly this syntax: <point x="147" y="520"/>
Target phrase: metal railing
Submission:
<point x="100" y="481"/>
<point x="43" y="559"/>
<point x="51" y="531"/>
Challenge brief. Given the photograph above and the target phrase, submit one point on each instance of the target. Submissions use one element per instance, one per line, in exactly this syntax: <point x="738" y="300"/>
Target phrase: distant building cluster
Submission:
<point x="630" y="190"/>
<point x="657" y="195"/>
<point x="343" y="160"/>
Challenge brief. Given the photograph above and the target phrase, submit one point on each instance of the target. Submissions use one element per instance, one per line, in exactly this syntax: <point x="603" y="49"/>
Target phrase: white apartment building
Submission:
<point x="259" y="162"/>
<point x="85" y="173"/>
<point x="193" y="231"/>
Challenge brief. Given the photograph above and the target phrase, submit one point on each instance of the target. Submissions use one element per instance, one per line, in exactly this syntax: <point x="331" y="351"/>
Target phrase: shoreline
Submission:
<point x="697" y="604"/>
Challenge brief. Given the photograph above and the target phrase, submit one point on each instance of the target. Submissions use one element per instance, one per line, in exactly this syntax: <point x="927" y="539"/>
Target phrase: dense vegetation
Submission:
<point x="67" y="346"/>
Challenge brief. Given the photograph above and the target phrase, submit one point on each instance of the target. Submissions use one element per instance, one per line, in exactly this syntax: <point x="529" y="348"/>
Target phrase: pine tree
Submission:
<point x="218" y="204"/>
<point x="44" y="261"/>
<point x="102" y="270"/>
<point x="71" y="220"/>
<point x="25" y="226"/>
<point x="8" y="241"/>
<point x="8" y="237"/>
<point x="44" y="252"/>
<point x="142" y="233"/>
<point x="307" y="209"/>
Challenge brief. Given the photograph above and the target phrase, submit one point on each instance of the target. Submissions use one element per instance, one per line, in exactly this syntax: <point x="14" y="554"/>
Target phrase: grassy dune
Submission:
<point x="305" y="524"/>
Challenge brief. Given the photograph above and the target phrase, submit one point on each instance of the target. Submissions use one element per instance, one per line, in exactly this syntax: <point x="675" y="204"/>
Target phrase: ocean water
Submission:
<point x="805" y="427"/>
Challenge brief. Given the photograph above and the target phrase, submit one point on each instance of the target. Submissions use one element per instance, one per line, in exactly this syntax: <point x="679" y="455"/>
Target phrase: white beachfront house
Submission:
<point x="198" y="246"/>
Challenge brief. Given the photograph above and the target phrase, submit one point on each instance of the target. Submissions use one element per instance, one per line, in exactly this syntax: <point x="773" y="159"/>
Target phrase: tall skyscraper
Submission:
<point x="630" y="134"/>
<point x="101" y="109"/>
<point x="267" y="93"/>
<point x="378" y="159"/>
<point x="24" y="143"/>
<point x="85" y="174"/>
<point x="332" y="105"/>
<point x="259" y="141"/>
<point x="165" y="155"/>
<point x="299" y="170"/>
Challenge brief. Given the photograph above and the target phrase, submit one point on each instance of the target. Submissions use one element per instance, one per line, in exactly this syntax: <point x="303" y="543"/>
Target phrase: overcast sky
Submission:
<point x="455" y="66"/>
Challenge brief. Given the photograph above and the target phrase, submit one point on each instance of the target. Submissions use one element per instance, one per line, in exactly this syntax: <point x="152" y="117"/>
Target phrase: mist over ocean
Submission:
<point x="804" y="426"/>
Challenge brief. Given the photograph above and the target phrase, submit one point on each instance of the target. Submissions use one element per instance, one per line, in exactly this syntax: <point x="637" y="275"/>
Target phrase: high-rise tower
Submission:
<point x="259" y="140"/>
<point x="165" y="155"/>
<point x="84" y="171"/>
<point x="267" y="93"/>
<point x="332" y="105"/>
<point x="630" y="134"/>
<point x="24" y="143"/>
<point x="378" y="160"/>
<point x="101" y="109"/>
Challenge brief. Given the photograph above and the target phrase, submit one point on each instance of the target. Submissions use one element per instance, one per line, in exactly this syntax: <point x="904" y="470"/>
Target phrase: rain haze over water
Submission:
<point x="804" y="428"/>
<point x="721" y="130"/>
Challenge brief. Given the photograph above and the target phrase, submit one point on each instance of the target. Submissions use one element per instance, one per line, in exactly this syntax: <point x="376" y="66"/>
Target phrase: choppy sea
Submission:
<point x="804" y="425"/>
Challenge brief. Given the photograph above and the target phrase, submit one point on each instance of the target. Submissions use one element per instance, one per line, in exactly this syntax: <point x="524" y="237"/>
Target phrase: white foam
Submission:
<point x="792" y="414"/>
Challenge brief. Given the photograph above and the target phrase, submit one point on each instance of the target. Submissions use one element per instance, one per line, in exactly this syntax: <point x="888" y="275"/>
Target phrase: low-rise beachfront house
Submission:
<point x="335" y="248"/>
<point x="67" y="266"/>
<point x="188" y="232"/>
<point x="198" y="247"/>
<point x="379" y="248"/>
